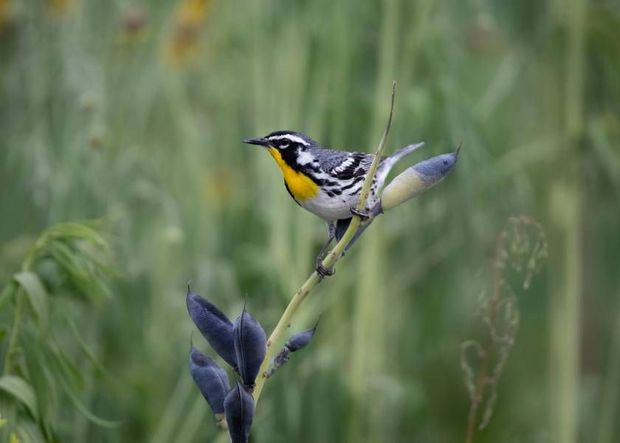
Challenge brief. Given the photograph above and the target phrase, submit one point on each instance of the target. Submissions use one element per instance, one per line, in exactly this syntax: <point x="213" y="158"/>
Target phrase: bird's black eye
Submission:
<point x="283" y="145"/>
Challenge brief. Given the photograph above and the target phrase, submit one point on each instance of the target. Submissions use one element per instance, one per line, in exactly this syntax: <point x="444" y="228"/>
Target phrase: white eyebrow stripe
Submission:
<point x="292" y="138"/>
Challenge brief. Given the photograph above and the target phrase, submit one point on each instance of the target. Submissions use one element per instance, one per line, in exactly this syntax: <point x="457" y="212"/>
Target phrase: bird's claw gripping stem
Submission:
<point x="363" y="214"/>
<point x="323" y="271"/>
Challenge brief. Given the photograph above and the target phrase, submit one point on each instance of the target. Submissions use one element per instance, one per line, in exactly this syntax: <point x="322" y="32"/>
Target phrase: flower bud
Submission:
<point x="239" y="407"/>
<point x="417" y="179"/>
<point x="214" y="326"/>
<point x="295" y="343"/>
<point x="300" y="340"/>
<point x="250" y="347"/>
<point x="210" y="379"/>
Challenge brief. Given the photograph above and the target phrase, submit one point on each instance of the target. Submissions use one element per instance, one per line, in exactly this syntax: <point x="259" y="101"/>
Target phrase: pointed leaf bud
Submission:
<point x="417" y="179"/>
<point x="214" y="326"/>
<point x="239" y="407"/>
<point x="210" y="379"/>
<point x="250" y="347"/>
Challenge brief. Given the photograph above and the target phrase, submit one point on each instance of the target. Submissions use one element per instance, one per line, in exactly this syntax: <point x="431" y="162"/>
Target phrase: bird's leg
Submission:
<point x="320" y="269"/>
<point x="331" y="234"/>
<point x="341" y="227"/>
<point x="372" y="213"/>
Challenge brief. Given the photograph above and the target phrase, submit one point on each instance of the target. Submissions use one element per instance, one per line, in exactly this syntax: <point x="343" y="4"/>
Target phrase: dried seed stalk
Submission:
<point x="520" y="250"/>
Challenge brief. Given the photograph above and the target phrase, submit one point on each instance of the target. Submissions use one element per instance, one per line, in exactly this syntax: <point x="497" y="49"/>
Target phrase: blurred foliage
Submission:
<point x="134" y="112"/>
<point x="45" y="316"/>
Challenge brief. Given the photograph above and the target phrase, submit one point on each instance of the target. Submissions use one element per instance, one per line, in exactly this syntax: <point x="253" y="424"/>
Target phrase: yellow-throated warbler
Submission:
<point x="326" y="182"/>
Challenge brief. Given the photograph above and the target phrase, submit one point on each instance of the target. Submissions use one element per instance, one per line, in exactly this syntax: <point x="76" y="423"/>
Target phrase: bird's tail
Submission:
<point x="388" y="163"/>
<point x="398" y="155"/>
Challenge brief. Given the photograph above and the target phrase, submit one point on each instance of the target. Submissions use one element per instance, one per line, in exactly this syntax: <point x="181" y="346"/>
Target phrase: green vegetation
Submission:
<point x="132" y="114"/>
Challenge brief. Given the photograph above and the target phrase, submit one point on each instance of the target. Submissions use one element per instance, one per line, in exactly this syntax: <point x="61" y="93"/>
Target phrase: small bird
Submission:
<point x="326" y="182"/>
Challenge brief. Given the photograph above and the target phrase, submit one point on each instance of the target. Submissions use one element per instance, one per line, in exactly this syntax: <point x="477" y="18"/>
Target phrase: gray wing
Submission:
<point x="344" y="165"/>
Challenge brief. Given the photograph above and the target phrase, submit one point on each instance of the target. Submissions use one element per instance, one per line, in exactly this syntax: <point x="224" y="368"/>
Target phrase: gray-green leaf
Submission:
<point x="22" y="391"/>
<point x="37" y="295"/>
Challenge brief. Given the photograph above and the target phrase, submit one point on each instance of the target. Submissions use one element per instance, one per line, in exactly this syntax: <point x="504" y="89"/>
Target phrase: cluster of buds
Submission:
<point x="241" y="344"/>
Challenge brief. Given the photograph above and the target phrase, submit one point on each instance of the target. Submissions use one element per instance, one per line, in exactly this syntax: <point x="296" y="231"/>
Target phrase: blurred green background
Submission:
<point x="130" y="114"/>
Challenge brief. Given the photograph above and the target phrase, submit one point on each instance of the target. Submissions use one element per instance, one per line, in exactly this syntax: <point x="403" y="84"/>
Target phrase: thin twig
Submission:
<point x="328" y="262"/>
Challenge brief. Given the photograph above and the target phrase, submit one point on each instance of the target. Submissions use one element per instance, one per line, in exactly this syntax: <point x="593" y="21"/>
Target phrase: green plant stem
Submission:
<point x="485" y="364"/>
<point x="566" y="205"/>
<point x="328" y="262"/>
<point x="608" y="415"/>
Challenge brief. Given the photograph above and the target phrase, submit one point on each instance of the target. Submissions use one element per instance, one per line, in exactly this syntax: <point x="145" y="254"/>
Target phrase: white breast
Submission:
<point x="330" y="208"/>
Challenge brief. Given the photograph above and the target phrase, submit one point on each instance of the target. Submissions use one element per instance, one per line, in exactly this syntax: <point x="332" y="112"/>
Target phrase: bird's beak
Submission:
<point x="257" y="141"/>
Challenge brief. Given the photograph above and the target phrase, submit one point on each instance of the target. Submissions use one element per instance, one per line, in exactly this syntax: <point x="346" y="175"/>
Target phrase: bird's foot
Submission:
<point x="363" y="214"/>
<point x="322" y="270"/>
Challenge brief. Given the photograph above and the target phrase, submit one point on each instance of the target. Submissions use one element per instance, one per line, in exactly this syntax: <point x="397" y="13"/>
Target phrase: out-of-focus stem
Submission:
<point x="566" y="205"/>
<point x="609" y="402"/>
<point x="482" y="380"/>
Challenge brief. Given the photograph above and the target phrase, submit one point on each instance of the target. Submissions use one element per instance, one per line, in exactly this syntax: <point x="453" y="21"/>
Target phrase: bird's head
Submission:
<point x="284" y="141"/>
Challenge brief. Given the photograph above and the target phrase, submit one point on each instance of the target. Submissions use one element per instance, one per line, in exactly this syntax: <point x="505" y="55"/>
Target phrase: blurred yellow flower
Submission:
<point x="61" y="7"/>
<point x="5" y="14"/>
<point x="219" y="188"/>
<point x="189" y="18"/>
<point x="133" y="25"/>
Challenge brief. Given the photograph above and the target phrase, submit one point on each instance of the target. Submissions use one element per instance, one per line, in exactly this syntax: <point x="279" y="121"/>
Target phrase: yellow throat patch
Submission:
<point x="301" y="186"/>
